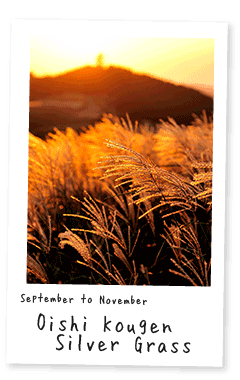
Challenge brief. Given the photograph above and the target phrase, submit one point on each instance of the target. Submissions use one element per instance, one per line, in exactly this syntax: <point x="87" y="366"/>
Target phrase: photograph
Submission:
<point x="120" y="159"/>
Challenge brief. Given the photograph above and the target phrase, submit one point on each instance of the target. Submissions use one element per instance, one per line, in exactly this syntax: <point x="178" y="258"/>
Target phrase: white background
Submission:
<point x="175" y="11"/>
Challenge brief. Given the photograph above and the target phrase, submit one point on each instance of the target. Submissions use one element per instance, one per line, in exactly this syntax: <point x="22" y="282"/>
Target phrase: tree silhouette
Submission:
<point x="100" y="60"/>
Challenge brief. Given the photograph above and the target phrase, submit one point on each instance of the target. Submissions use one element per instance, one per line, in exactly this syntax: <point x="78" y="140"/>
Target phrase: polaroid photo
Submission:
<point x="117" y="193"/>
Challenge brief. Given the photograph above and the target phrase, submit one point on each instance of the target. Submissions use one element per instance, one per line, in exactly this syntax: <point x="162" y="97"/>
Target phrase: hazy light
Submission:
<point x="182" y="60"/>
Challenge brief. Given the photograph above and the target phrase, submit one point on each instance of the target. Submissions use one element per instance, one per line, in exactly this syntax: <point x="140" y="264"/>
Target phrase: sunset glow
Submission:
<point x="181" y="60"/>
<point x="121" y="120"/>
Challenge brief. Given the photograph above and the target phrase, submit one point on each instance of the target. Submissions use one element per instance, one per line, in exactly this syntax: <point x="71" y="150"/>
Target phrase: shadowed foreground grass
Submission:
<point x="121" y="204"/>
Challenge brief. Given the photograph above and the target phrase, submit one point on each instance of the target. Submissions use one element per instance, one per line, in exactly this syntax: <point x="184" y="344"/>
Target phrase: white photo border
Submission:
<point x="195" y="314"/>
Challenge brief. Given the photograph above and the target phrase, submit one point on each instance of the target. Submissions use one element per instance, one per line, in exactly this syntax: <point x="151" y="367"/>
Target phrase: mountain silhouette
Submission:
<point x="79" y="97"/>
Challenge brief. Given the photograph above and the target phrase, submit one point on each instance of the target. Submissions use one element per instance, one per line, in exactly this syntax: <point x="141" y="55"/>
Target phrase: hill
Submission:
<point x="80" y="97"/>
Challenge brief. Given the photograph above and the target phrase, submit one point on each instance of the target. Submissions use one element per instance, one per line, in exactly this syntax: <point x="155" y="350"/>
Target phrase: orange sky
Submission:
<point x="183" y="60"/>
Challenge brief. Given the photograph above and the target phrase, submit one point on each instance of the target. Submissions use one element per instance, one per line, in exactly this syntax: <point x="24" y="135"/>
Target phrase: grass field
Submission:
<point x="121" y="204"/>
